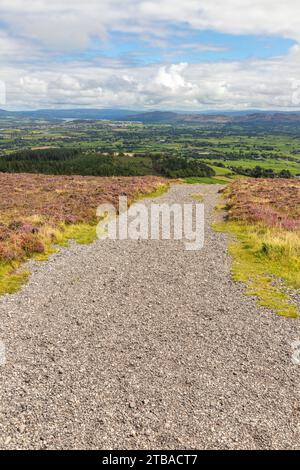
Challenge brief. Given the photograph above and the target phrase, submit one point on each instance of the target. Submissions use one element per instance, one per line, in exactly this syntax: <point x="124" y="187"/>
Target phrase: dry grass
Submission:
<point x="275" y="203"/>
<point x="264" y="215"/>
<point x="37" y="211"/>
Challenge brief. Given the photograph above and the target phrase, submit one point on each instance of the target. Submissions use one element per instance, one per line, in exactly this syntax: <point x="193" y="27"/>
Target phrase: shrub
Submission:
<point x="22" y="227"/>
<point x="7" y="254"/>
<point x="4" y="232"/>
<point x="29" y="243"/>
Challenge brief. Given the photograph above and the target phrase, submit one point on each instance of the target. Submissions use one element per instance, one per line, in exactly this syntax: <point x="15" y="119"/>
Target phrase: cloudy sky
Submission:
<point x="150" y="54"/>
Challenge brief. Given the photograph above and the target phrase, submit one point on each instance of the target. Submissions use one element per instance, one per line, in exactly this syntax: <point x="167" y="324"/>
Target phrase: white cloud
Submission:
<point x="71" y="23"/>
<point x="222" y="85"/>
<point x="15" y="50"/>
<point x="33" y="85"/>
<point x="231" y="16"/>
<point x="172" y="79"/>
<point x="37" y="32"/>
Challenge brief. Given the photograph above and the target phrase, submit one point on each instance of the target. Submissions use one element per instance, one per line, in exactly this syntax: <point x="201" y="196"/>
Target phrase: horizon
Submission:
<point x="158" y="110"/>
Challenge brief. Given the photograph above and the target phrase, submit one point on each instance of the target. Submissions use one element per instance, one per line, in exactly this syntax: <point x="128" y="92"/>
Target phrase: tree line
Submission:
<point x="259" y="172"/>
<point x="62" y="161"/>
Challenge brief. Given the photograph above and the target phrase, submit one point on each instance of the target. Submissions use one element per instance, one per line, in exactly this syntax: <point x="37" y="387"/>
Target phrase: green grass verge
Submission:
<point x="207" y="180"/>
<point x="82" y="233"/>
<point x="267" y="262"/>
<point x="161" y="189"/>
<point x="12" y="279"/>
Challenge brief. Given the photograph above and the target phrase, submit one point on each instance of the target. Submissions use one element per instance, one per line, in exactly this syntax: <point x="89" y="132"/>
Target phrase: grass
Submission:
<point x="261" y="269"/>
<point x="159" y="191"/>
<point x="18" y="243"/>
<point x="266" y="251"/>
<point x="198" y="197"/>
<point x="207" y="180"/>
<point x="276" y="165"/>
<point x="82" y="233"/>
<point x="11" y="279"/>
<point x="220" y="171"/>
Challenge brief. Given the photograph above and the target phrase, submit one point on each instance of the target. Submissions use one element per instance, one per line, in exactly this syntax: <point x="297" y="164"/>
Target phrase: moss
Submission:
<point x="267" y="262"/>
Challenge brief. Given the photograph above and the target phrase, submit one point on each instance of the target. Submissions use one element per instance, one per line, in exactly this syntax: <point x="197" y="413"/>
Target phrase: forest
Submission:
<point x="63" y="161"/>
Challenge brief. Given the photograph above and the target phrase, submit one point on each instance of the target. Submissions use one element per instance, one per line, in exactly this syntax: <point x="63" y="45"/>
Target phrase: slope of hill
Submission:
<point x="141" y="344"/>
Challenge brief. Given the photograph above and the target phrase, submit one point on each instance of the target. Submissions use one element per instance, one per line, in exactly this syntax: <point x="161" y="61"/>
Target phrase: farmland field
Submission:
<point x="44" y="208"/>
<point x="232" y="147"/>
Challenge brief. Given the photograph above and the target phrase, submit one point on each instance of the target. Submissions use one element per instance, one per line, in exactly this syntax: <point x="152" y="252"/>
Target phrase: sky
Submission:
<point x="190" y="55"/>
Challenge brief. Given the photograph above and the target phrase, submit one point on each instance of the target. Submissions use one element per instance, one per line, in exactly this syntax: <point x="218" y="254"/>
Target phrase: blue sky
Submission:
<point x="190" y="46"/>
<point x="183" y="44"/>
<point x="150" y="54"/>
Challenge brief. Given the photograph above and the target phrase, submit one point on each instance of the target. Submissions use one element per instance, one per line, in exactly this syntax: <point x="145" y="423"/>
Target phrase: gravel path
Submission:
<point x="126" y="345"/>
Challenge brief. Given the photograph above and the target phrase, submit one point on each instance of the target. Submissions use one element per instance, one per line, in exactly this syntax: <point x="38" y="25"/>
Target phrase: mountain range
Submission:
<point x="156" y="116"/>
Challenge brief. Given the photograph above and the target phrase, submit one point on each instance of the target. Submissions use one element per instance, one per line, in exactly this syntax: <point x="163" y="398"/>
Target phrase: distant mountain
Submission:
<point x="110" y="114"/>
<point x="153" y="116"/>
<point x="159" y="116"/>
<point x="3" y="113"/>
<point x="171" y="117"/>
<point x="270" y="117"/>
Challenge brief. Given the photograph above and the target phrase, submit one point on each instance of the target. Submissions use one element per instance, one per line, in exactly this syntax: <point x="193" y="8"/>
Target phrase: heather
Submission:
<point x="39" y="211"/>
<point x="273" y="203"/>
<point x="264" y="217"/>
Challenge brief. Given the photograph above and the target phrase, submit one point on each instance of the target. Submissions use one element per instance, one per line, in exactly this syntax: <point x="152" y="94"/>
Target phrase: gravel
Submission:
<point x="144" y="345"/>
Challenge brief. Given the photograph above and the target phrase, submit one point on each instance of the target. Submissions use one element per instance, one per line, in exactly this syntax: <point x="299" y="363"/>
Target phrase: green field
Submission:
<point x="207" y="180"/>
<point x="223" y="147"/>
<point x="276" y="165"/>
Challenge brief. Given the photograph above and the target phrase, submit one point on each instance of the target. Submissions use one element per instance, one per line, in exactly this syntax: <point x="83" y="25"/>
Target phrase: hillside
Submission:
<point x="267" y="117"/>
<point x="126" y="344"/>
